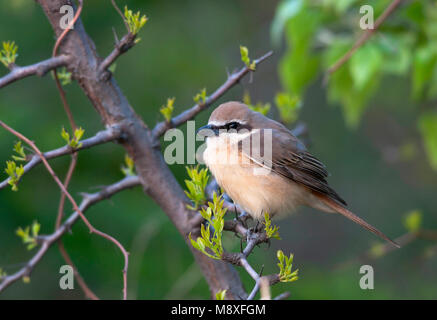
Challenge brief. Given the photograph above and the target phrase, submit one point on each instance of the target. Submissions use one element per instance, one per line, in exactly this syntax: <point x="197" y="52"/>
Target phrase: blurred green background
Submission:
<point x="380" y="166"/>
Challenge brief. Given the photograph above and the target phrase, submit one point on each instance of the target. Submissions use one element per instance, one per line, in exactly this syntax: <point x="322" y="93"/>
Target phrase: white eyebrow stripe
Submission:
<point x="221" y="123"/>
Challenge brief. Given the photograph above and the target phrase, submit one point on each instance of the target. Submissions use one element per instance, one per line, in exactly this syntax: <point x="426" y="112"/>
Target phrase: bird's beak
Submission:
<point x="207" y="131"/>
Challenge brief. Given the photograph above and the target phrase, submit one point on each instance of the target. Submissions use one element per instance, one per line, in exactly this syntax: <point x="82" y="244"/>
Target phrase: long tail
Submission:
<point x="350" y="215"/>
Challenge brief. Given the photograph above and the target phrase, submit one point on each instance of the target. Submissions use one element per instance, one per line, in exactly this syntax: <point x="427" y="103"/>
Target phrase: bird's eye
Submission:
<point x="233" y="125"/>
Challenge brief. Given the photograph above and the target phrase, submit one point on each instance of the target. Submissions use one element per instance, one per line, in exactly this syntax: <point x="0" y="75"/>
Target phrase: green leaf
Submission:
<point x="18" y="148"/>
<point x="285" y="266"/>
<point x="260" y="107"/>
<point x="286" y="10"/>
<point x="196" y="185"/>
<point x="30" y="240"/>
<point x="340" y="6"/>
<point x="377" y="250"/>
<point x="74" y="141"/>
<point x="129" y="168"/>
<point x="272" y="231"/>
<point x="14" y="174"/>
<point x="113" y="67"/>
<point x="214" y="216"/>
<point x="341" y="88"/>
<point x="64" y="76"/>
<point x="288" y="106"/>
<point x="413" y="220"/>
<point x="10" y="168"/>
<point x="167" y="110"/>
<point x="220" y="295"/>
<point x="35" y="229"/>
<point x="244" y="52"/>
<point x="200" y="98"/>
<point x="428" y="128"/>
<point x="65" y="135"/>
<point x="19" y="171"/>
<point x="78" y="133"/>
<point x="397" y="52"/>
<point x="299" y="66"/>
<point x="425" y="59"/>
<point x="8" y="54"/>
<point x="364" y="65"/>
<point x="134" y="21"/>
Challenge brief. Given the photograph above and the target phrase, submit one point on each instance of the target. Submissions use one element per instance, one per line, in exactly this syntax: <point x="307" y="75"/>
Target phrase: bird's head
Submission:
<point x="230" y="117"/>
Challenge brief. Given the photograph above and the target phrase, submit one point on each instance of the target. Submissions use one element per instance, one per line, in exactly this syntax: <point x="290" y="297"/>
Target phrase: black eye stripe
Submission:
<point x="232" y="126"/>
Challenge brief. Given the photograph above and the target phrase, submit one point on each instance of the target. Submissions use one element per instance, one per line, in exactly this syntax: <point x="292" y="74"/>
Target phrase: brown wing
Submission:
<point x="290" y="159"/>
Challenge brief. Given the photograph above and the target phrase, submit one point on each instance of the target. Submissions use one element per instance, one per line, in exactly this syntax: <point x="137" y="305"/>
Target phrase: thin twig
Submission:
<point x="55" y="73"/>
<point x="189" y="114"/>
<point x="240" y="259"/>
<point x="48" y="240"/>
<point x="80" y="280"/>
<point x="282" y="296"/>
<point x="122" y="46"/>
<point x="127" y="42"/>
<point x="66" y="184"/>
<point x="39" y="69"/>
<point x="91" y="228"/>
<point x="121" y="14"/>
<point x="363" y="39"/>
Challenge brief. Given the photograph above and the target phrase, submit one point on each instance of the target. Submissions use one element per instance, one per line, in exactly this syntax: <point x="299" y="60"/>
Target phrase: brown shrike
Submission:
<point x="263" y="167"/>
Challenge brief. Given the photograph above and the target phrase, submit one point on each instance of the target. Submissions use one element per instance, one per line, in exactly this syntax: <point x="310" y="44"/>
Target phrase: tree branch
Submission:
<point x="189" y="114"/>
<point x="127" y="42"/>
<point x="91" y="228"/>
<point x="39" y="69"/>
<point x="240" y="259"/>
<point x="139" y="141"/>
<point x="110" y="134"/>
<point x="48" y="240"/>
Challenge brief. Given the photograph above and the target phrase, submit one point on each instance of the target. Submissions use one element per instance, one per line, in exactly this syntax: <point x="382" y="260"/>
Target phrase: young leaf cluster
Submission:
<point x="19" y="150"/>
<point x="196" y="186"/>
<point x="220" y="295"/>
<point x="29" y="235"/>
<point x="14" y="172"/>
<point x="167" y="110"/>
<point x="129" y="168"/>
<point x="200" y="98"/>
<point x="285" y="264"/>
<point x="8" y="54"/>
<point x="244" y="52"/>
<point x="272" y="231"/>
<point x="64" y="76"/>
<point x="134" y="21"/>
<point x="74" y="141"/>
<point x="211" y="245"/>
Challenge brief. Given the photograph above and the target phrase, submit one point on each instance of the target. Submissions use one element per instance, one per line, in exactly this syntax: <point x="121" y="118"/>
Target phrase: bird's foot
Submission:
<point x="242" y="218"/>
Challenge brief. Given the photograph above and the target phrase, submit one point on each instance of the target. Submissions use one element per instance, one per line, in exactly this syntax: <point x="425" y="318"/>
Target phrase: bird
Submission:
<point x="264" y="168"/>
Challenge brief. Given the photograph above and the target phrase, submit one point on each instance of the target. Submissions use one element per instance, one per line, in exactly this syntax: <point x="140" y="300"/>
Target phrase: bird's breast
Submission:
<point x="253" y="192"/>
